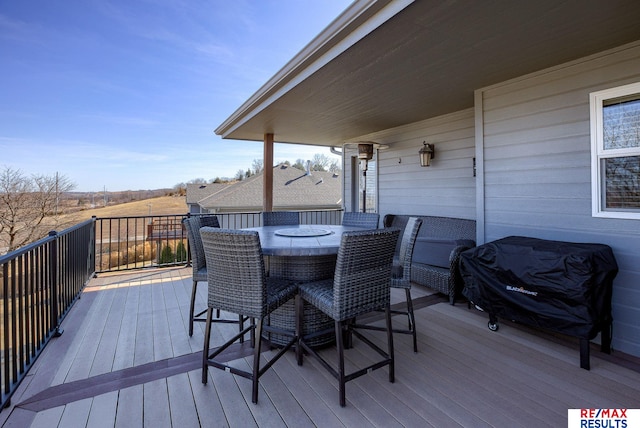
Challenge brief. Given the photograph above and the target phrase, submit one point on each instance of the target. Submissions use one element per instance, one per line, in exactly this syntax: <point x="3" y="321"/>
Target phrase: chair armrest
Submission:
<point x="462" y="245"/>
<point x="388" y="220"/>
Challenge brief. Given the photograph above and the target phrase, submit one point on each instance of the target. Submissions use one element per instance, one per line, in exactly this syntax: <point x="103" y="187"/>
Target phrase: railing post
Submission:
<point x="91" y="258"/>
<point x="53" y="279"/>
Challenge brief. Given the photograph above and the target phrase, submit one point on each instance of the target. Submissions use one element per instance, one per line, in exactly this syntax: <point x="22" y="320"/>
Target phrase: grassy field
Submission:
<point x="163" y="205"/>
<point x="126" y="243"/>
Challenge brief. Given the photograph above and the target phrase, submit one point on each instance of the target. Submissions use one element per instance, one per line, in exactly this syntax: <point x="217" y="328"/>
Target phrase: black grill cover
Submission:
<point x="560" y="286"/>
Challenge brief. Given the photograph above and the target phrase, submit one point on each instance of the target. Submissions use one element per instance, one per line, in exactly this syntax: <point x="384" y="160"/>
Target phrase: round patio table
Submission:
<point x="306" y="252"/>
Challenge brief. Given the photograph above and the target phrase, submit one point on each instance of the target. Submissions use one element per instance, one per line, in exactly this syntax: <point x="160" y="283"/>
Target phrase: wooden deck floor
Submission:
<point x="125" y="360"/>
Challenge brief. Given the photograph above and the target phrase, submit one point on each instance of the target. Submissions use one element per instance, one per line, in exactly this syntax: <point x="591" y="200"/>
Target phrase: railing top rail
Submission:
<point x="29" y="247"/>
<point x="143" y="216"/>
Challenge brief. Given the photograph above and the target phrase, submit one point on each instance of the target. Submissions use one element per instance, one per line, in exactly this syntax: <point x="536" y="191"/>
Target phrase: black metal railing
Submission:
<point x="125" y="243"/>
<point x="40" y="282"/>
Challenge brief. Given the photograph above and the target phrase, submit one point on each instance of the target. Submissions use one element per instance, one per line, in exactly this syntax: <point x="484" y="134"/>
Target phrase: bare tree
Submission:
<point x="257" y="166"/>
<point x="300" y="164"/>
<point x="197" y="181"/>
<point x="29" y="206"/>
<point x="240" y="175"/>
<point x="180" y="189"/>
<point x="320" y="162"/>
<point x="335" y="167"/>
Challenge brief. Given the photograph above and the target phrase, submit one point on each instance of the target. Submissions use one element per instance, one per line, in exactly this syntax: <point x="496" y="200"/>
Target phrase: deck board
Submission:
<point x="156" y="408"/>
<point x="103" y="407"/>
<point x="183" y="408"/>
<point x="143" y="352"/>
<point x="85" y="345"/>
<point x="124" y="357"/>
<point x="463" y="375"/>
<point x="210" y="411"/>
<point x="106" y="349"/>
<point x="130" y="407"/>
<point x="47" y="419"/>
<point x="76" y="414"/>
<point x="564" y="376"/>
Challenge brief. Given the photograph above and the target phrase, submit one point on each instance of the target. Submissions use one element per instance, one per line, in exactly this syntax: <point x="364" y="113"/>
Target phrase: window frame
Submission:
<point x="598" y="152"/>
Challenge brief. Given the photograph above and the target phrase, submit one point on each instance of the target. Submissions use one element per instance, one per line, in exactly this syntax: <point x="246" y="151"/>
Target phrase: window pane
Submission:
<point x="621" y="120"/>
<point x="622" y="178"/>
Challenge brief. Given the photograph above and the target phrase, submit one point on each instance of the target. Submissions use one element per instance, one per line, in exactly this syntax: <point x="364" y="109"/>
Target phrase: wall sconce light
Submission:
<point x="427" y="152"/>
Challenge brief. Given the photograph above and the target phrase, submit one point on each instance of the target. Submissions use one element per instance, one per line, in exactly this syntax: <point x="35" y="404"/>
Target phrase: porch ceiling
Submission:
<point x="423" y="62"/>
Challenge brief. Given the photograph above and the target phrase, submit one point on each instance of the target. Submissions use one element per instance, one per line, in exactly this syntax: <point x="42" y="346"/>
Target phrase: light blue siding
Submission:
<point x="531" y="137"/>
<point x="537" y="169"/>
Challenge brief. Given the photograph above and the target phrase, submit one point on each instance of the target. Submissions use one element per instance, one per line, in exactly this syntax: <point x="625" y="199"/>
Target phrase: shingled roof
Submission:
<point x="293" y="189"/>
<point x="197" y="192"/>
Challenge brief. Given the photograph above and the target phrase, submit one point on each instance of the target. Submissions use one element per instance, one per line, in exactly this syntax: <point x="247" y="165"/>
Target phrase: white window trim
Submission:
<point x="596" y="100"/>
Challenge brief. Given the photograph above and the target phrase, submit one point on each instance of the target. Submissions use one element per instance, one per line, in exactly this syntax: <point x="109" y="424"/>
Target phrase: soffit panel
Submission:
<point x="428" y="59"/>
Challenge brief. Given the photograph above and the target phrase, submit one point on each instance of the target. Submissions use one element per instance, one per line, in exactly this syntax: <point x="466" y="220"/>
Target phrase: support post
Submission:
<point x="267" y="191"/>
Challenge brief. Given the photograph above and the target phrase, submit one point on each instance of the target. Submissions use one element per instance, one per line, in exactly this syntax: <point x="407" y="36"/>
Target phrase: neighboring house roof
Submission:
<point x="387" y="63"/>
<point x="293" y="189"/>
<point x="196" y="192"/>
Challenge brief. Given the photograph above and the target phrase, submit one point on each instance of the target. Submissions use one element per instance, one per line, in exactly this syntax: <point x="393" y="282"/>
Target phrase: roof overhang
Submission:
<point x="383" y="64"/>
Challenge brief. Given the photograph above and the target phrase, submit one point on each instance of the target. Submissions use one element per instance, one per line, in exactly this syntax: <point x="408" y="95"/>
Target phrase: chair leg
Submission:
<point x="193" y="304"/>
<point x="299" y="325"/>
<point x="205" y="349"/>
<point x="341" y="376"/>
<point x="256" y="337"/>
<point x="252" y="338"/>
<point x="392" y="375"/>
<point x="412" y="319"/>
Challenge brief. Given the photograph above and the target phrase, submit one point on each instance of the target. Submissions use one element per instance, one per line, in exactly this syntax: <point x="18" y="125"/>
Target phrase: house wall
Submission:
<point x="447" y="187"/>
<point x="196" y="209"/>
<point x="534" y="136"/>
<point x="531" y="139"/>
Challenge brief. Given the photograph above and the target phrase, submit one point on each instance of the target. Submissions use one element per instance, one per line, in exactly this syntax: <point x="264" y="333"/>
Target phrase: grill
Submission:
<point x="559" y="286"/>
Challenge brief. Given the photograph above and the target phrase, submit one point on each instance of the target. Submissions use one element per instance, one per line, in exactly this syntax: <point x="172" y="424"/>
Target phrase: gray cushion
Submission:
<point x="436" y="251"/>
<point x="433" y="251"/>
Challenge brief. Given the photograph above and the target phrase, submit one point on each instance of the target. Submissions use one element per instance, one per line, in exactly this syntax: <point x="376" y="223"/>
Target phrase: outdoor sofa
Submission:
<point x="437" y="251"/>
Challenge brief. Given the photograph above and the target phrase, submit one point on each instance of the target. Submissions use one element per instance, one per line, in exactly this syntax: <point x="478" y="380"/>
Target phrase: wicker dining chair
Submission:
<point x="360" y="285"/>
<point x="238" y="284"/>
<point x="363" y="220"/>
<point x="280" y="218"/>
<point x="401" y="277"/>
<point x="198" y="262"/>
<point x="401" y="274"/>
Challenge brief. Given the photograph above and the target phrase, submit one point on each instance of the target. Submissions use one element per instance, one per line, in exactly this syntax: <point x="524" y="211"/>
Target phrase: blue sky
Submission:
<point x="126" y="94"/>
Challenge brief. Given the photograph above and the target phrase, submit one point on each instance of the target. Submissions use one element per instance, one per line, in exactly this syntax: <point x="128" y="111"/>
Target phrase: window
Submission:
<point x="615" y="152"/>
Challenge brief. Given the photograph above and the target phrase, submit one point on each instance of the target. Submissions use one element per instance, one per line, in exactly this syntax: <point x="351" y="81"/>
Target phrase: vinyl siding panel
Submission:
<point x="537" y="169"/>
<point x="348" y="202"/>
<point x="447" y="187"/>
